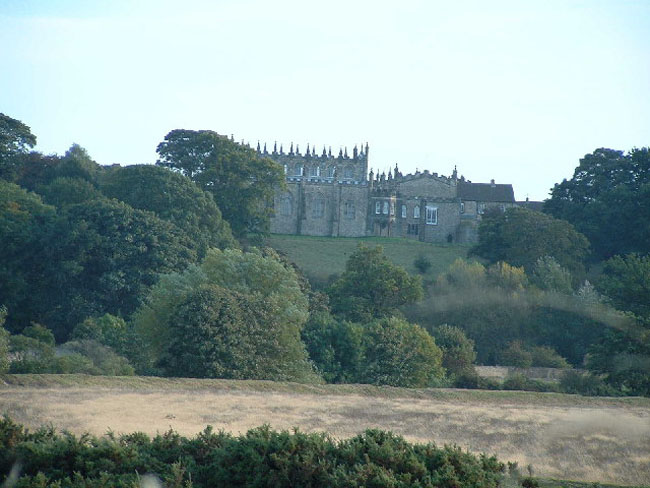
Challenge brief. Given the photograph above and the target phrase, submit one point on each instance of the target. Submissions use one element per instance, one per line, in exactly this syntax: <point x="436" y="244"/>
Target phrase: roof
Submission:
<point x="532" y="205"/>
<point x="485" y="192"/>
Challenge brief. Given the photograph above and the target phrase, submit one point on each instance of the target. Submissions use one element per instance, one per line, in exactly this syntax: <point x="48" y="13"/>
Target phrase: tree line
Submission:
<point x="149" y="269"/>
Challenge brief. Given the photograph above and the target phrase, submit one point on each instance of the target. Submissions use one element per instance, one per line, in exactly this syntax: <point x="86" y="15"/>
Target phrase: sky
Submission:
<point x="516" y="91"/>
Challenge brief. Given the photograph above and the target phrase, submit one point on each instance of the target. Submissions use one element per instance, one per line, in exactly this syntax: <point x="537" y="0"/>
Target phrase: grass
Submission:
<point x="322" y="257"/>
<point x="562" y="436"/>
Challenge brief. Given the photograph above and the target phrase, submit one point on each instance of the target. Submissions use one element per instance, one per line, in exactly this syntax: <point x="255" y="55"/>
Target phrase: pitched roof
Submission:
<point x="485" y="192"/>
<point x="532" y="205"/>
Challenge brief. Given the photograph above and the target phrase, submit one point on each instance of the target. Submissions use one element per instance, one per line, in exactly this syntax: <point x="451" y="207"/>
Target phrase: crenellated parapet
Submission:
<point x="324" y="166"/>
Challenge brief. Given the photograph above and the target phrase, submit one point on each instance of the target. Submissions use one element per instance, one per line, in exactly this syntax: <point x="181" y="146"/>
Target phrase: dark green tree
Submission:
<point x="242" y="181"/>
<point x="521" y="236"/>
<point x="626" y="281"/>
<point x="605" y="200"/>
<point x="372" y="287"/>
<point x="16" y="139"/>
<point x="458" y="354"/>
<point x="173" y="197"/>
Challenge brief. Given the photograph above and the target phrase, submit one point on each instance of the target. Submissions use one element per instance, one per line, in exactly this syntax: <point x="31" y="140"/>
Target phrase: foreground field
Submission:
<point x="560" y="436"/>
<point x="321" y="257"/>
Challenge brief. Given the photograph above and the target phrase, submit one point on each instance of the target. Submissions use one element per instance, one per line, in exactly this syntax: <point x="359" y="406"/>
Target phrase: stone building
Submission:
<point x="335" y="196"/>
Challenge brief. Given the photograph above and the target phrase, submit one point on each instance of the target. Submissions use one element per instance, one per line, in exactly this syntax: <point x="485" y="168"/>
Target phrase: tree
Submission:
<point x="269" y="299"/>
<point x="172" y="197"/>
<point x="16" y="139"/>
<point x="605" y="200"/>
<point x="521" y="236"/>
<point x="242" y="182"/>
<point x="458" y="354"/>
<point x="550" y="276"/>
<point x="626" y="281"/>
<point x="372" y="287"/>
<point x="398" y="353"/>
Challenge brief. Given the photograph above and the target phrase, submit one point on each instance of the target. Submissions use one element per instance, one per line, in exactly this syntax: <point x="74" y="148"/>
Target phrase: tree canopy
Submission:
<point x="16" y="139"/>
<point x="606" y="199"/>
<point x="372" y="287"/>
<point x="241" y="180"/>
<point x="521" y="236"/>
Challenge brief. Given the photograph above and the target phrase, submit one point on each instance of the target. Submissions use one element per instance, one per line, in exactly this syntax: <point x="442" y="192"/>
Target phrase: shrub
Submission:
<point x="580" y="383"/>
<point x="546" y="357"/>
<point x="458" y="354"/>
<point x="515" y="354"/>
<point x="260" y="458"/>
<point x="103" y="358"/>
<point x="519" y="381"/>
<point x="422" y="264"/>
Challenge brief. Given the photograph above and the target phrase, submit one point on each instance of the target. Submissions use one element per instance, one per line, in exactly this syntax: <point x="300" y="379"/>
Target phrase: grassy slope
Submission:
<point x="321" y="257"/>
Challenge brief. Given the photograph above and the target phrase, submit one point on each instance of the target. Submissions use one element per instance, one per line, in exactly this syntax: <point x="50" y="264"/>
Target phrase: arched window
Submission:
<point x="385" y="212"/>
<point x="416" y="212"/>
<point x="403" y="211"/>
<point x="298" y="169"/>
<point x="318" y="208"/>
<point x="313" y="171"/>
<point x="377" y="208"/>
<point x="330" y="171"/>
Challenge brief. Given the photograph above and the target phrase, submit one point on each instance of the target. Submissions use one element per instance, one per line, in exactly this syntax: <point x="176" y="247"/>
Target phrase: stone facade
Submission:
<point x="336" y="196"/>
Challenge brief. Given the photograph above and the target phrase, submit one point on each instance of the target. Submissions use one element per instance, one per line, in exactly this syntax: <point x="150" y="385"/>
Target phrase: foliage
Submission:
<point x="15" y="140"/>
<point x="398" y="353"/>
<point x="521" y="236"/>
<point x="463" y="274"/>
<point x="104" y="360"/>
<point x="261" y="458"/>
<point x="172" y="197"/>
<point x="519" y="381"/>
<point x="422" y="263"/>
<point x="4" y="342"/>
<point x="622" y="357"/>
<point x="581" y="383"/>
<point x="372" y="287"/>
<point x="547" y="357"/>
<point x="40" y="333"/>
<point x="63" y="191"/>
<point x="507" y="277"/>
<point x="76" y="163"/>
<point x="608" y="188"/>
<point x="270" y="296"/>
<point x="548" y="275"/>
<point x="458" y="354"/>
<point x="516" y="354"/>
<point x="335" y="347"/>
<point x="626" y="281"/>
<point x="241" y="180"/>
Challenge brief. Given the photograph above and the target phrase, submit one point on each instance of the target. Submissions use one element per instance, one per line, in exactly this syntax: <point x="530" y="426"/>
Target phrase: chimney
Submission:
<point x="492" y="184"/>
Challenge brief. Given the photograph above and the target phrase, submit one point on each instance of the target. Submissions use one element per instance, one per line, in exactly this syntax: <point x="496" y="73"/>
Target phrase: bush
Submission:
<point x="422" y="264"/>
<point x="546" y="357"/>
<point x="519" y="381"/>
<point x="458" y="354"/>
<point x="104" y="360"/>
<point x="576" y="382"/>
<point x="260" y="458"/>
<point x="515" y="354"/>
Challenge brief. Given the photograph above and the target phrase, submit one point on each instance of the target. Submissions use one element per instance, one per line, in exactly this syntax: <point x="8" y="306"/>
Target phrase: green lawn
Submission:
<point x="321" y="257"/>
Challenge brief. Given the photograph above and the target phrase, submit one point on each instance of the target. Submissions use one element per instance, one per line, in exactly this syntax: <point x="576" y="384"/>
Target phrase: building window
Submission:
<point x="377" y="208"/>
<point x="348" y="172"/>
<point x="416" y="212"/>
<point x="462" y="207"/>
<point x="412" y="229"/>
<point x="330" y="171"/>
<point x="298" y="170"/>
<point x="318" y="208"/>
<point x="313" y="171"/>
<point x="385" y="208"/>
<point x="481" y="208"/>
<point x="349" y="210"/>
<point x="285" y="169"/>
<point x="286" y="206"/>
<point x="403" y="211"/>
<point x="432" y="215"/>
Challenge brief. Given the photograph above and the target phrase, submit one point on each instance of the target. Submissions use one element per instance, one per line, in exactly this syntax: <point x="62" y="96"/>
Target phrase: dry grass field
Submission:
<point x="560" y="436"/>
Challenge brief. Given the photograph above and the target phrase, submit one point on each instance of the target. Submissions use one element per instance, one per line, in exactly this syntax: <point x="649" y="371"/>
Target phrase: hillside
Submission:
<point x="322" y="257"/>
<point x="560" y="436"/>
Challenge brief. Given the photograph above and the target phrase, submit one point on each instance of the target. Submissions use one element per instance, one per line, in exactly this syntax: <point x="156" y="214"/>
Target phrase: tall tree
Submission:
<point x="173" y="197"/>
<point x="16" y="139"/>
<point x="372" y="287"/>
<point x="241" y="181"/>
<point x="607" y="201"/>
<point x="520" y="237"/>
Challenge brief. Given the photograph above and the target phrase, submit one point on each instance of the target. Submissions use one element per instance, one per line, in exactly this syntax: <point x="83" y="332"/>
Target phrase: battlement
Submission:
<point x="324" y="167"/>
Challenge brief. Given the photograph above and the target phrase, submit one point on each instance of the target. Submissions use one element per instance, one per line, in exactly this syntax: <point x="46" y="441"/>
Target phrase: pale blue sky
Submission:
<point x="517" y="91"/>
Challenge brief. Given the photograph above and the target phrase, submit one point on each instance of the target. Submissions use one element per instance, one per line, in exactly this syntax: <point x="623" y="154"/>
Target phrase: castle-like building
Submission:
<point x="329" y="195"/>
